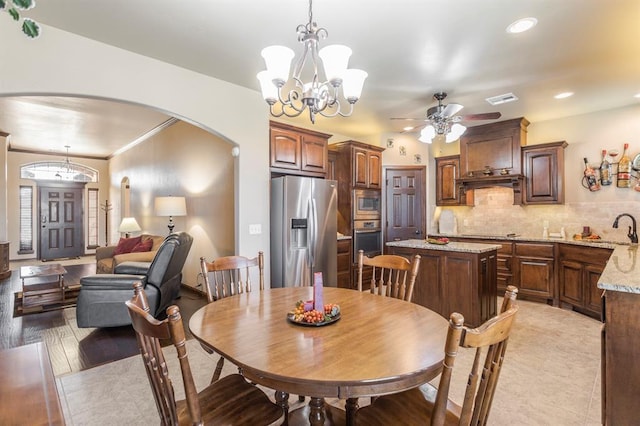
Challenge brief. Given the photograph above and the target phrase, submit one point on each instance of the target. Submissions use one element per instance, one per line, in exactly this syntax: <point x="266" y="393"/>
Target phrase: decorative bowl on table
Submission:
<point x="440" y="241"/>
<point x="304" y="314"/>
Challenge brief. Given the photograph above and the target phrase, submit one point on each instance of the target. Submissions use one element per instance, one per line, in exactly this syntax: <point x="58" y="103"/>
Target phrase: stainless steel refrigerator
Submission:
<point x="303" y="231"/>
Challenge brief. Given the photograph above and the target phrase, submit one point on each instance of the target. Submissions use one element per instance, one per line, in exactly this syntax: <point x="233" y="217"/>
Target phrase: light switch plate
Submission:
<point x="255" y="229"/>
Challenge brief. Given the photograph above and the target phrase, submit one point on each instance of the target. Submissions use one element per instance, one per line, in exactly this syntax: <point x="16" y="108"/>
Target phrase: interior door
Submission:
<point x="405" y="203"/>
<point x="61" y="221"/>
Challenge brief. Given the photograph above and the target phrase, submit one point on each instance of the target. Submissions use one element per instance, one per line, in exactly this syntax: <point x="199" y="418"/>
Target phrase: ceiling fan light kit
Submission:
<point x="443" y="121"/>
<point x="320" y="97"/>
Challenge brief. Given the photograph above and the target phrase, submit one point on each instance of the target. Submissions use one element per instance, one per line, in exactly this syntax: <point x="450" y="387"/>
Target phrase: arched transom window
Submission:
<point x="64" y="171"/>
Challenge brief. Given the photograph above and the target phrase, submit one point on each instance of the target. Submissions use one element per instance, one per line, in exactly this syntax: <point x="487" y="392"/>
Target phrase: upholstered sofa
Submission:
<point x="107" y="260"/>
<point x="102" y="296"/>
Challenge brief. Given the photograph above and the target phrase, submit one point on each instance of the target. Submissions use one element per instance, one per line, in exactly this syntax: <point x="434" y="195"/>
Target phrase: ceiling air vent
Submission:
<point x="502" y="99"/>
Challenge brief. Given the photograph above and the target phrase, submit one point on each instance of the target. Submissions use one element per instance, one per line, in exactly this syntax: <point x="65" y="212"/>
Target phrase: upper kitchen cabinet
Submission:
<point x="491" y="155"/>
<point x="447" y="172"/>
<point x="359" y="163"/>
<point x="543" y="168"/>
<point x="297" y="151"/>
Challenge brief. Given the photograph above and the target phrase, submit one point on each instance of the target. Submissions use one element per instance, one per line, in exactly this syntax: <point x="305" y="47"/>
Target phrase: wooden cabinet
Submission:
<point x="580" y="269"/>
<point x="359" y="164"/>
<point x="543" y="168"/>
<point x="620" y="354"/>
<point x="450" y="281"/>
<point x="332" y="157"/>
<point x="344" y="263"/>
<point x="5" y="271"/>
<point x="534" y="269"/>
<point x="504" y="260"/>
<point x="297" y="151"/>
<point x="447" y="172"/>
<point x="496" y="145"/>
<point x="491" y="155"/>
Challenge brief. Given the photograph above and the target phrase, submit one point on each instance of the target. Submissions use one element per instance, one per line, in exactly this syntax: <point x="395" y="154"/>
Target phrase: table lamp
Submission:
<point x="128" y="225"/>
<point x="170" y="206"/>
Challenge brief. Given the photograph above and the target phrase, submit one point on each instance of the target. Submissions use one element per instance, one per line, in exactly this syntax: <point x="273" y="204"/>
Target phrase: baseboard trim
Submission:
<point x="193" y="290"/>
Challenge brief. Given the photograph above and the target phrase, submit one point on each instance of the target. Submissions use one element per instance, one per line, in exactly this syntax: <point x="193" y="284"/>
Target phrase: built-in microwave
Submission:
<point x="366" y="204"/>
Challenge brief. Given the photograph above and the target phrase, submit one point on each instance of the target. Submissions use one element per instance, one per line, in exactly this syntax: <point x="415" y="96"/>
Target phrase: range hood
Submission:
<point x="514" y="182"/>
<point x="491" y="155"/>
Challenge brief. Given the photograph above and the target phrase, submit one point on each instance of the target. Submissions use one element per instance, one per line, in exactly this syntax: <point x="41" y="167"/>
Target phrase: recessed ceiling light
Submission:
<point x="522" y="25"/>
<point x="563" y="95"/>
<point x="637" y="95"/>
<point x="406" y="129"/>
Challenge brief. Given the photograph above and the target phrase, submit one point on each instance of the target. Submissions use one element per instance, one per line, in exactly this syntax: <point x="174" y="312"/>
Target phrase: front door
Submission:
<point x="61" y="221"/>
<point x="405" y="203"/>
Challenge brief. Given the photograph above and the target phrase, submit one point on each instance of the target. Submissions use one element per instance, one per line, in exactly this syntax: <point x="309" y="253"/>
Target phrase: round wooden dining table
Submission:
<point x="379" y="345"/>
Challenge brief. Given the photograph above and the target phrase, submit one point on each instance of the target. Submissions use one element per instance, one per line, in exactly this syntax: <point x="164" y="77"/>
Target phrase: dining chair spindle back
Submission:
<point x="230" y="400"/>
<point x="429" y="405"/>
<point x="391" y="275"/>
<point x="227" y="276"/>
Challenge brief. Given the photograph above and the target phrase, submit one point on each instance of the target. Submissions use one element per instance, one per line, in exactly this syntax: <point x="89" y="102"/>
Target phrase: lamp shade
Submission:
<point x="171" y="206"/>
<point x="456" y="131"/>
<point x="278" y="60"/>
<point x="268" y="89"/>
<point x="335" y="59"/>
<point x="427" y="134"/>
<point x="352" y="82"/>
<point x="129" y="224"/>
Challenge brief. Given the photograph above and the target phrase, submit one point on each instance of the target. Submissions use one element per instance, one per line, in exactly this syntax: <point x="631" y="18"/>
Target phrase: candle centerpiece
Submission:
<point x="315" y="312"/>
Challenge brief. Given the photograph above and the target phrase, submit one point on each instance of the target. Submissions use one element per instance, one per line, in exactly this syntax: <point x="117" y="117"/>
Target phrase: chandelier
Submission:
<point x="452" y="132"/>
<point x="290" y="96"/>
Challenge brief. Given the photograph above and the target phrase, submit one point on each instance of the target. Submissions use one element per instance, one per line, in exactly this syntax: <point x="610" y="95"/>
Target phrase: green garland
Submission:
<point x="29" y="26"/>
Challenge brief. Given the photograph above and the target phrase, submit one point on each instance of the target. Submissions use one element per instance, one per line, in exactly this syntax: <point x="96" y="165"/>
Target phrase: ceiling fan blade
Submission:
<point x="451" y="110"/>
<point x="432" y="111"/>
<point x="407" y="119"/>
<point x="483" y="116"/>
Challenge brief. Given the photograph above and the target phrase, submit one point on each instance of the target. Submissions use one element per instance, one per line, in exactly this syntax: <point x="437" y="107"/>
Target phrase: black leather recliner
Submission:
<point x="102" y="296"/>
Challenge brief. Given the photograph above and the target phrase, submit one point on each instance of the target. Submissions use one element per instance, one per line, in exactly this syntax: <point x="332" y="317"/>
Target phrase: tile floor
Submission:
<point x="551" y="376"/>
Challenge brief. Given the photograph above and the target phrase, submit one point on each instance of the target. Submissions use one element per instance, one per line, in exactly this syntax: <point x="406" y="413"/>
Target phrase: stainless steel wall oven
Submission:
<point x="367" y="236"/>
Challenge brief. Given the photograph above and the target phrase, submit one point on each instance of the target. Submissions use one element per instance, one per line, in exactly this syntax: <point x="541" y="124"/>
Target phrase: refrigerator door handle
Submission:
<point x="313" y="231"/>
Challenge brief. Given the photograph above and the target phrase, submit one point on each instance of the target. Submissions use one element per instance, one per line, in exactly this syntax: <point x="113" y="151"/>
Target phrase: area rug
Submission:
<point x="35" y="306"/>
<point x="119" y="392"/>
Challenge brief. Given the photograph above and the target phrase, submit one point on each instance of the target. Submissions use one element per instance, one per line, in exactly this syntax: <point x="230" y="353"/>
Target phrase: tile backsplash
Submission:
<point x="495" y="214"/>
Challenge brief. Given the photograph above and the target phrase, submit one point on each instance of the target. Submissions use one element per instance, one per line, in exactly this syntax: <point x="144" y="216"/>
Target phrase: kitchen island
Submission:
<point x="455" y="277"/>
<point x="620" y="281"/>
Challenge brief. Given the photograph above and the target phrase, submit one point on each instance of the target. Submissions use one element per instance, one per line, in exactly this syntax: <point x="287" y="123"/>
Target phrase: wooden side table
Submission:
<point x="42" y="290"/>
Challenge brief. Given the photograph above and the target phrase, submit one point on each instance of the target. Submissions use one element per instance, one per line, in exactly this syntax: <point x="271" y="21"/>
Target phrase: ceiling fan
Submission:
<point x="442" y="120"/>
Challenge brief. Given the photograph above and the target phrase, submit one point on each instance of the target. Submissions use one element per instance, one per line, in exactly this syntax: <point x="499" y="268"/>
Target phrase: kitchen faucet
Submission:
<point x="633" y="236"/>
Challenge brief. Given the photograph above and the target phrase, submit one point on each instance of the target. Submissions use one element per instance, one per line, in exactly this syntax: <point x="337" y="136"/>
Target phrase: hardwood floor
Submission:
<point x="71" y="348"/>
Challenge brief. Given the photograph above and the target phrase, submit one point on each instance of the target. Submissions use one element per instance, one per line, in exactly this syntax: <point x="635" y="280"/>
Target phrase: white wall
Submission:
<point x="182" y="160"/>
<point x="60" y="63"/>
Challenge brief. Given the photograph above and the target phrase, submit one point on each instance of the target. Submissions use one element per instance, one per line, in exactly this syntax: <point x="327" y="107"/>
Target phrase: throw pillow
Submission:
<point x="143" y="246"/>
<point x="125" y="245"/>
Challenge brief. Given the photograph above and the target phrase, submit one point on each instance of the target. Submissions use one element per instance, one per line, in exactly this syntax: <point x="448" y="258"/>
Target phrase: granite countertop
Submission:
<point x="451" y="246"/>
<point x="344" y="237"/>
<point x="622" y="272"/>
<point x="517" y="237"/>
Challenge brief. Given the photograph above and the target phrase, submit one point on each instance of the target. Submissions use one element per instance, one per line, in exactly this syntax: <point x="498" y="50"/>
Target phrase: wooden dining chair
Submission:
<point x="428" y="405"/>
<point x="231" y="275"/>
<point x="227" y="276"/>
<point x="230" y="400"/>
<point x="392" y="275"/>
